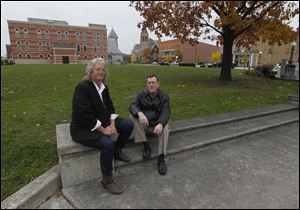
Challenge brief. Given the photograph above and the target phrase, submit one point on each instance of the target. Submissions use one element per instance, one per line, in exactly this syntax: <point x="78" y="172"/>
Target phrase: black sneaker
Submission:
<point x="161" y="166"/>
<point x="147" y="151"/>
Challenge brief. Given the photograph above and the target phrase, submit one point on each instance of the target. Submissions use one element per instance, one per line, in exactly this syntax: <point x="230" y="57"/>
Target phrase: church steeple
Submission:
<point x="144" y="35"/>
<point x="112" y="34"/>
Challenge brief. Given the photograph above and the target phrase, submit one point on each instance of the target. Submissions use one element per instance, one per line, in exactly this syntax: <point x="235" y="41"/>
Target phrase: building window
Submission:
<point x="78" y="47"/>
<point x="28" y="56"/>
<point x="47" y="46"/>
<point x="270" y="49"/>
<point x="95" y="37"/>
<point x="77" y="36"/>
<point x="19" y="47"/>
<point x="85" y="57"/>
<point x="66" y="35"/>
<point x="84" y="48"/>
<point x="47" y="34"/>
<point x="20" y="56"/>
<point x="95" y="48"/>
<point x="17" y="31"/>
<point x="84" y="36"/>
<point x="49" y="56"/>
<point x="39" y="34"/>
<point x="100" y="48"/>
<point x="59" y="35"/>
<point x="25" y="30"/>
<point x="40" y="46"/>
<point x="27" y="46"/>
<point x="95" y="56"/>
<point x="41" y="56"/>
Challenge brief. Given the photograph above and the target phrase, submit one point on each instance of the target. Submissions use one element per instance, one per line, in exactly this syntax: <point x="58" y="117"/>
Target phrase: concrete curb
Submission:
<point x="209" y="142"/>
<point x="231" y="119"/>
<point x="36" y="192"/>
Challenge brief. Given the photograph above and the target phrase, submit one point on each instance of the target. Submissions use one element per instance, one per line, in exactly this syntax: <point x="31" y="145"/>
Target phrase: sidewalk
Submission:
<point x="257" y="171"/>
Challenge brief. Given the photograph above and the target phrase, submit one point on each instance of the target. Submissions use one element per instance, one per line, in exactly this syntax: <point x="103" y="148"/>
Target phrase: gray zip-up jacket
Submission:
<point x="157" y="109"/>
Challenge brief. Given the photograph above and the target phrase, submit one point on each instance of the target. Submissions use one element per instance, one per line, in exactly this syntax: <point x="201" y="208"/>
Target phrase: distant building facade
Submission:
<point x="115" y="56"/>
<point x="263" y="53"/>
<point x="190" y="52"/>
<point x="145" y="42"/>
<point x="42" y="41"/>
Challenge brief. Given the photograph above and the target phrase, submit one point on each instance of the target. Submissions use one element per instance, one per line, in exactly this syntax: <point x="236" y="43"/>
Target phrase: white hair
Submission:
<point x="90" y="67"/>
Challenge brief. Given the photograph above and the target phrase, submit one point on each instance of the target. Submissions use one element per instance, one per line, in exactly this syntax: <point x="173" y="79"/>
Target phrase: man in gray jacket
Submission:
<point x="151" y="112"/>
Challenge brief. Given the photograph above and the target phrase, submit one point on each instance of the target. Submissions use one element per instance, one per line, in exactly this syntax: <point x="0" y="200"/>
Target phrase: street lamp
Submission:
<point x="249" y="60"/>
<point x="259" y="59"/>
<point x="293" y="44"/>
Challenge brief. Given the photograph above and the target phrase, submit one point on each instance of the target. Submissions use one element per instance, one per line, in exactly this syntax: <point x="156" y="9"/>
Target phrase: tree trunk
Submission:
<point x="225" y="74"/>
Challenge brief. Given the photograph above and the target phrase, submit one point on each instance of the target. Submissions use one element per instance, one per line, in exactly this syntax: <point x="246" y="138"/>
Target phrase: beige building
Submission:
<point x="264" y="53"/>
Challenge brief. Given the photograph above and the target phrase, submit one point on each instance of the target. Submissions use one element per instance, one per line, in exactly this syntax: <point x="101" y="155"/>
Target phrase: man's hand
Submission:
<point x="113" y="127"/>
<point x="158" y="129"/>
<point x="143" y="119"/>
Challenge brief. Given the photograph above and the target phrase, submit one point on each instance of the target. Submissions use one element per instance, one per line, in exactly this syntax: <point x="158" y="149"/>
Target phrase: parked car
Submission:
<point x="201" y="64"/>
<point x="276" y="68"/>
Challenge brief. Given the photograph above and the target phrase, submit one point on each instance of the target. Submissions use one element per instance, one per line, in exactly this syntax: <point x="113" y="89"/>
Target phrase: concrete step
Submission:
<point x="79" y="164"/>
<point x="205" y="135"/>
<point x="260" y="170"/>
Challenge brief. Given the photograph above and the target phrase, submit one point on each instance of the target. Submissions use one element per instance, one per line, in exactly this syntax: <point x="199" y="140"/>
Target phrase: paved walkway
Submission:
<point x="256" y="171"/>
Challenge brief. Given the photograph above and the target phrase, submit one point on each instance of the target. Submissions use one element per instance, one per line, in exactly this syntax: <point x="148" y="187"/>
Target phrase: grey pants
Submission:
<point x="140" y="132"/>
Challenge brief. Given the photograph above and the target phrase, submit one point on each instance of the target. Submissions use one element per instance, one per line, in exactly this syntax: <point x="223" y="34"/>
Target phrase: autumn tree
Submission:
<point x="168" y="59"/>
<point x="198" y="57"/>
<point x="146" y="54"/>
<point x="235" y="22"/>
<point x="215" y="56"/>
<point x="179" y="53"/>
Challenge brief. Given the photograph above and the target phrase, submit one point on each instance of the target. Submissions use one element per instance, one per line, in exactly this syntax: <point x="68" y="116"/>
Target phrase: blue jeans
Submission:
<point x="106" y="145"/>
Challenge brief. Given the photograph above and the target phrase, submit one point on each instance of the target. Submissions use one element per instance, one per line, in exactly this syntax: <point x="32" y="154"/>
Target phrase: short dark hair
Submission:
<point x="152" y="75"/>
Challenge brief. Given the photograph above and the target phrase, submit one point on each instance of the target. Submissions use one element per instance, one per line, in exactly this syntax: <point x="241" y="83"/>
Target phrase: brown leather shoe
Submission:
<point x="108" y="183"/>
<point x="119" y="155"/>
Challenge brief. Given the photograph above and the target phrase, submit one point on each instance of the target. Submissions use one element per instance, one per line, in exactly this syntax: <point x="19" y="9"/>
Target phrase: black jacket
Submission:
<point x="88" y="107"/>
<point x="157" y="109"/>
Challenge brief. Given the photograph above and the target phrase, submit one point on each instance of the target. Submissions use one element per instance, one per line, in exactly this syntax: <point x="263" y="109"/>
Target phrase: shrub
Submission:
<point x="265" y="69"/>
<point x="187" y="64"/>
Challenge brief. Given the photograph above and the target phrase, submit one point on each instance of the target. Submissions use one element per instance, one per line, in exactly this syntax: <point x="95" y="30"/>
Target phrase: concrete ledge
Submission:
<point x="293" y="99"/>
<point x="36" y="192"/>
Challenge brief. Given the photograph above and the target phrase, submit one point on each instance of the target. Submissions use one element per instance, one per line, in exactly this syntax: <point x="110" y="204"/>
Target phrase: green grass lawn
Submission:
<point x="35" y="98"/>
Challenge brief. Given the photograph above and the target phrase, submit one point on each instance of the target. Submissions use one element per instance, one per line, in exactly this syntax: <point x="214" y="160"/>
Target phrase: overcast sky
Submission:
<point x="116" y="14"/>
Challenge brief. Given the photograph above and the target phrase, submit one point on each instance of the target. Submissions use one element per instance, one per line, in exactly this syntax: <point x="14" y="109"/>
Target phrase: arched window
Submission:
<point x="40" y="46"/>
<point x="77" y="36"/>
<point x="78" y="47"/>
<point x="66" y="35"/>
<point x="59" y="35"/>
<point x="39" y="34"/>
<point x="25" y="30"/>
<point x="84" y="36"/>
<point x="17" y="31"/>
<point x="48" y="46"/>
<point x="19" y="47"/>
<point x="27" y="46"/>
<point x="47" y="34"/>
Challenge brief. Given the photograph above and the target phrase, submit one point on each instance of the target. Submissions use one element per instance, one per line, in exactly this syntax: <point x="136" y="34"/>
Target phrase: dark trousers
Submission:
<point x="105" y="144"/>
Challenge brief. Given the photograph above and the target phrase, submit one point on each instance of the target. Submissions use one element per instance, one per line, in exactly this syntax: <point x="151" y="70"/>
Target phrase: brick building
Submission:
<point x="190" y="53"/>
<point x="42" y="41"/>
